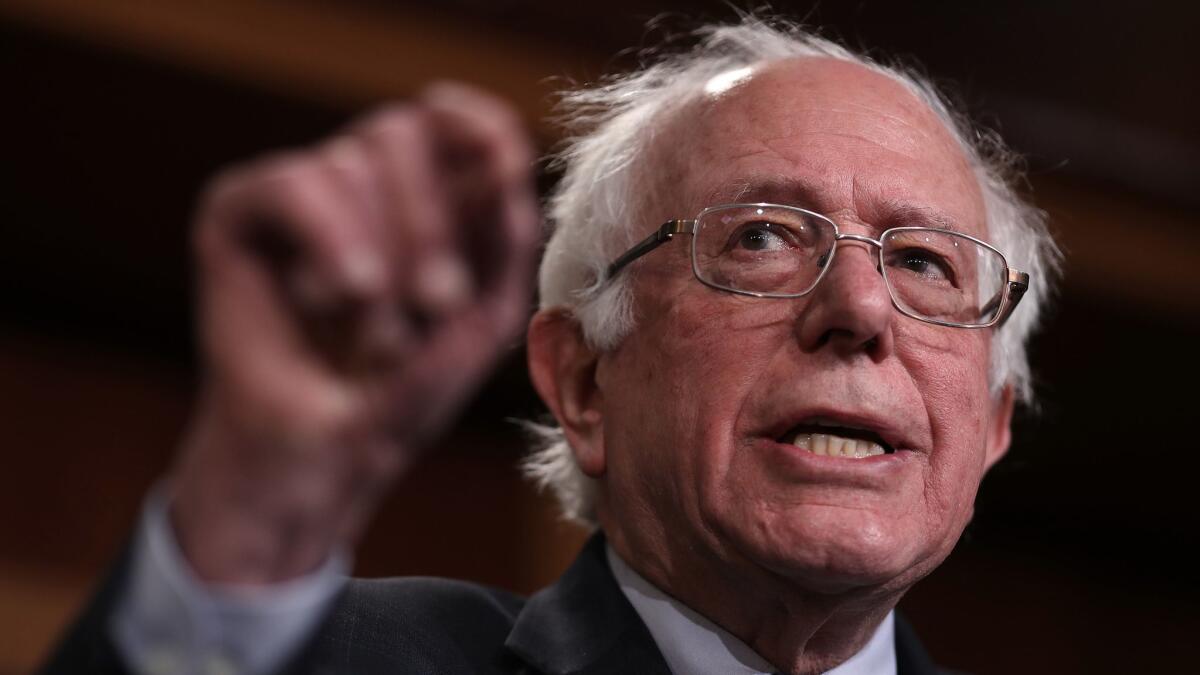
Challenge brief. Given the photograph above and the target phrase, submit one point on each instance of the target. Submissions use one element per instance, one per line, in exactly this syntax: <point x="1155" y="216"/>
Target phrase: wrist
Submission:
<point x="244" y="514"/>
<point x="232" y="539"/>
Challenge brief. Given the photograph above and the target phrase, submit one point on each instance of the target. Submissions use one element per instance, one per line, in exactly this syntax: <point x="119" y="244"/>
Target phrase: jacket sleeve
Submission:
<point x="152" y="615"/>
<point x="85" y="647"/>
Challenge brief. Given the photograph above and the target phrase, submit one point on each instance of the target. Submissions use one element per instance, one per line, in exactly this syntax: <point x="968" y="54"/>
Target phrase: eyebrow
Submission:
<point x="789" y="192"/>
<point x="771" y="189"/>
<point x="919" y="216"/>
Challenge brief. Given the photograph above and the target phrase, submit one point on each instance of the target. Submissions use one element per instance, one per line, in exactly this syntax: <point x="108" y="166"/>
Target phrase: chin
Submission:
<point x="829" y="549"/>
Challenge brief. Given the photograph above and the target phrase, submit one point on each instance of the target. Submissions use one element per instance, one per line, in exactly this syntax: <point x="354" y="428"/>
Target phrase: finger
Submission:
<point x="305" y="220"/>
<point x="382" y="335"/>
<point x="485" y="144"/>
<point x="260" y="358"/>
<point x="288" y="212"/>
<point x="434" y="276"/>
<point x="478" y="124"/>
<point x="347" y="167"/>
<point x="431" y="389"/>
<point x="379" y="336"/>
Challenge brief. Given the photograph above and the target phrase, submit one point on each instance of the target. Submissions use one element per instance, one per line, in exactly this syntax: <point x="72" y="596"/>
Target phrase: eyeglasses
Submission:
<point x="773" y="251"/>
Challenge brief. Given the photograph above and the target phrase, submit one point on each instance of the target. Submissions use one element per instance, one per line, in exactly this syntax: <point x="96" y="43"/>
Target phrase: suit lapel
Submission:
<point x="583" y="624"/>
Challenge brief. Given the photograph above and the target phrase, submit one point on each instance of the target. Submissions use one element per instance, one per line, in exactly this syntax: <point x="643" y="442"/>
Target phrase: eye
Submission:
<point x="761" y="237"/>
<point x="923" y="263"/>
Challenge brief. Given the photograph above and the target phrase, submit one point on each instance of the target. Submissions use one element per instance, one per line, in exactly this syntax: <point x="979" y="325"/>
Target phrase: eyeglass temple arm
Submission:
<point x="659" y="237"/>
<point x="1018" y="283"/>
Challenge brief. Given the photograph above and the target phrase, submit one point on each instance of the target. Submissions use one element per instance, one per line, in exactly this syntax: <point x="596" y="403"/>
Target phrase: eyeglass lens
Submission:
<point x="782" y="252"/>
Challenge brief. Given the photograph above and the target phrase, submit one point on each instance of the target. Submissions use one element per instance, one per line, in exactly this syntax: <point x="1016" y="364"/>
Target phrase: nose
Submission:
<point x="850" y="310"/>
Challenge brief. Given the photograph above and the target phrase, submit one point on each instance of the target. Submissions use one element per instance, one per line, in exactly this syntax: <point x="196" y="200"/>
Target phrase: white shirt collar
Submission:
<point x="693" y="645"/>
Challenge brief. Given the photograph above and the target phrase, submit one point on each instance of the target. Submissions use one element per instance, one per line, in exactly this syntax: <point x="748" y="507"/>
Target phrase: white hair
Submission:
<point x="593" y="208"/>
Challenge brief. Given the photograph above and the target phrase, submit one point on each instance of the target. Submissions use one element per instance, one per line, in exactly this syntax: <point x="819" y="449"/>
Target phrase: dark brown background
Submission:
<point x="1080" y="558"/>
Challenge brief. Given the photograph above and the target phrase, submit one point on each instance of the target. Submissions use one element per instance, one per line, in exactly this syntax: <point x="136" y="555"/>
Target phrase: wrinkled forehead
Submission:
<point x="826" y="129"/>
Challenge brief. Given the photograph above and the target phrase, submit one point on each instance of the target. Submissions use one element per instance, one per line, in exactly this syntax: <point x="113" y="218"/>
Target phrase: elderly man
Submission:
<point x="777" y="334"/>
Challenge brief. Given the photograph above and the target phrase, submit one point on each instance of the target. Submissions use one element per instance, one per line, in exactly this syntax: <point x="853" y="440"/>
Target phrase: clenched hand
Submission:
<point x="352" y="295"/>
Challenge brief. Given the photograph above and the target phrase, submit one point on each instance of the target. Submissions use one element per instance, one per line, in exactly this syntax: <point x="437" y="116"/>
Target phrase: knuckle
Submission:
<point x="516" y="163"/>
<point x="502" y="122"/>
<point x="259" y="189"/>
<point x="341" y="153"/>
<point x="219" y="200"/>
<point x="509" y="120"/>
<point x="396" y="120"/>
<point x="283" y="170"/>
<point x="206" y="242"/>
<point x="251" y="182"/>
<point x="500" y="117"/>
<point x="468" y="98"/>
<point x="223" y="187"/>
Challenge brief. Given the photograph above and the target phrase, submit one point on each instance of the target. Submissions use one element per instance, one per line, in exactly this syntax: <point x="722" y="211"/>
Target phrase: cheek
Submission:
<point x="734" y="346"/>
<point x="722" y="347"/>
<point x="702" y="354"/>
<point x="949" y="368"/>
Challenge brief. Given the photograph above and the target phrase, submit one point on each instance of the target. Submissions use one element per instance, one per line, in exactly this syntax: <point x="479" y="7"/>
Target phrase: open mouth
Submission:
<point x="836" y="441"/>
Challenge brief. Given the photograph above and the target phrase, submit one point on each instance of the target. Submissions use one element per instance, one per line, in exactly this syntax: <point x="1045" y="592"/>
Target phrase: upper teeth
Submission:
<point x="836" y="446"/>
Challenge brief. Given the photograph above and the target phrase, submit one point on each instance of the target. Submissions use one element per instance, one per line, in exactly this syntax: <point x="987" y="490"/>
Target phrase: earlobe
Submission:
<point x="999" y="426"/>
<point x="563" y="369"/>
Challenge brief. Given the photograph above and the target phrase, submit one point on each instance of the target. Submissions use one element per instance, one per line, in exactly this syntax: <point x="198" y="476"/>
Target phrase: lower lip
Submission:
<point x="804" y="465"/>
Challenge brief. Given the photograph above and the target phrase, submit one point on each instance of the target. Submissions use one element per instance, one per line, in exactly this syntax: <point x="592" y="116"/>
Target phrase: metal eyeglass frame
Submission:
<point x="1014" y="289"/>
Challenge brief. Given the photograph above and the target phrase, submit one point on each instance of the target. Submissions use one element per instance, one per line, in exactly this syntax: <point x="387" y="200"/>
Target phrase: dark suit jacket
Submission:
<point x="582" y="625"/>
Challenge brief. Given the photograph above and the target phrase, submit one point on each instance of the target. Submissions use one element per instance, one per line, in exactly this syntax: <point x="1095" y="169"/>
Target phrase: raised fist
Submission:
<point x="352" y="295"/>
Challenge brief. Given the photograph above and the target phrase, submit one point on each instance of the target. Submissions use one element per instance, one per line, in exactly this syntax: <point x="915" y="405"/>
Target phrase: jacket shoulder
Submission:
<point x="448" y="604"/>
<point x="414" y="625"/>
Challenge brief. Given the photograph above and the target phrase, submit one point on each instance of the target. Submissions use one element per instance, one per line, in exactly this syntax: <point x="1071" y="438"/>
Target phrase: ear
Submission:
<point x="999" y="427"/>
<point x="563" y="370"/>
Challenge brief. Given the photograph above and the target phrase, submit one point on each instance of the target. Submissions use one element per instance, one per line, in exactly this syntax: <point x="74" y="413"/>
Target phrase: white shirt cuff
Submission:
<point x="168" y="621"/>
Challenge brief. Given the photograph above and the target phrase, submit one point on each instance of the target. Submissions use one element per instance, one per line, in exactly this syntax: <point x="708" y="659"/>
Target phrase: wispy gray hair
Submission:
<point x="593" y="208"/>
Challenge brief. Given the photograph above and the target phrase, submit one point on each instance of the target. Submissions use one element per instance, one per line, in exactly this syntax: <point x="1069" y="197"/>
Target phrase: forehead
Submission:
<point x="826" y="134"/>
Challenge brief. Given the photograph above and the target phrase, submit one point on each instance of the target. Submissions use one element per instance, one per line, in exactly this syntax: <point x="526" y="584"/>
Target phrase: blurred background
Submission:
<point x="1081" y="557"/>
